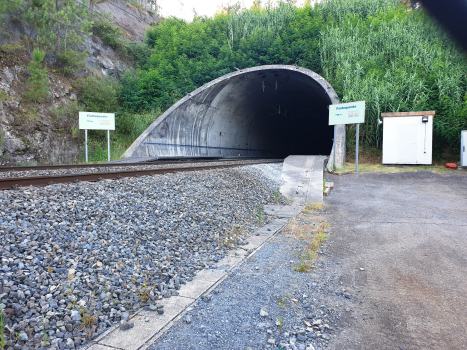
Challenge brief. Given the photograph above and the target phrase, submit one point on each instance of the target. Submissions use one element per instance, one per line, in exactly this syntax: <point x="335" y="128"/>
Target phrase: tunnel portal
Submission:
<point x="265" y="111"/>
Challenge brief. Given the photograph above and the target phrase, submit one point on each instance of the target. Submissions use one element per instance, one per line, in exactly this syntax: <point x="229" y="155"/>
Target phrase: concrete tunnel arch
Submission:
<point x="264" y="111"/>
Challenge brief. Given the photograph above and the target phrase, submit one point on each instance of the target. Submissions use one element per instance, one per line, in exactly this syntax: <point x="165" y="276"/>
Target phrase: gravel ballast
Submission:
<point x="115" y="246"/>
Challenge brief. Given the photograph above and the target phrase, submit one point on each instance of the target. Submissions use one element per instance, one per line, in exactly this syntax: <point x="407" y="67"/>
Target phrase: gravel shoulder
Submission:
<point x="399" y="244"/>
<point x="245" y="310"/>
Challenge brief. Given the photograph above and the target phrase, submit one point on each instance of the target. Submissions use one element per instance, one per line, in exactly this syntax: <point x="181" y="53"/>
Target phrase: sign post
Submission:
<point x="97" y="121"/>
<point x="86" y="143"/>
<point x="347" y="113"/>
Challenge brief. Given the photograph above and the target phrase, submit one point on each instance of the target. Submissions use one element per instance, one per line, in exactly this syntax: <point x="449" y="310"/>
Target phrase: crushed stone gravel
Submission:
<point x="112" y="247"/>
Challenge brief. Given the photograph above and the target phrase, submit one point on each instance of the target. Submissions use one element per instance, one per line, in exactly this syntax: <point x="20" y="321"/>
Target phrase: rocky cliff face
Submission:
<point x="29" y="133"/>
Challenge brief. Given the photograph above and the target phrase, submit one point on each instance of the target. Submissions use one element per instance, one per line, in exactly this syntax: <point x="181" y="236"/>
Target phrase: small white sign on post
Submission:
<point x="347" y="113"/>
<point x="97" y="121"/>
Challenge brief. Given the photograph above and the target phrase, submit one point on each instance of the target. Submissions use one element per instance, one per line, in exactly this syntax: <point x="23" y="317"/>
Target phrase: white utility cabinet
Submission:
<point x="408" y="137"/>
<point x="464" y="148"/>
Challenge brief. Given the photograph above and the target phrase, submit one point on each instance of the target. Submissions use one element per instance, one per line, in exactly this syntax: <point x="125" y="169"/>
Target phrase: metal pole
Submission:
<point x="108" y="144"/>
<point x="334" y="161"/>
<point x="356" y="148"/>
<point x="86" y="143"/>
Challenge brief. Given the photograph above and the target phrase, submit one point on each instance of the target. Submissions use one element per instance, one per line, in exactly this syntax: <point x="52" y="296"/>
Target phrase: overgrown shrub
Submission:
<point x="132" y="124"/>
<point x="139" y="52"/>
<point x="98" y="93"/>
<point x="37" y="90"/>
<point x="97" y="151"/>
<point x="104" y="28"/>
<point x="70" y="61"/>
<point x="8" y="6"/>
<point x="66" y="116"/>
<point x="11" y="49"/>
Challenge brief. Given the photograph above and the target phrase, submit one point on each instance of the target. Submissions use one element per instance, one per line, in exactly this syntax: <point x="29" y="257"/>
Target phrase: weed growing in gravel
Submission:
<point x="312" y="207"/>
<point x="144" y="291"/>
<point x="88" y="318"/>
<point x="237" y="231"/>
<point x="310" y="254"/>
<point x="260" y="213"/>
<point x="315" y="232"/>
<point x="299" y="229"/>
<point x="280" y="320"/>
<point x="2" y="328"/>
<point x="276" y="194"/>
<point x="44" y="332"/>
<point x="305" y="265"/>
<point x="282" y="302"/>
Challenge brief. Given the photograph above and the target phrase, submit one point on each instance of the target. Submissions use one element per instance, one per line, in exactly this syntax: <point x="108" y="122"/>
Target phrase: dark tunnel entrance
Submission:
<point x="267" y="111"/>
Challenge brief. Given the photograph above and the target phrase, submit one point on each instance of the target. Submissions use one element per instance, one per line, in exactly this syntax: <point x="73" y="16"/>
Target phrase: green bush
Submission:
<point x="70" y="61"/>
<point x="132" y="124"/>
<point x="97" y="152"/>
<point x="11" y="49"/>
<point x="104" y="28"/>
<point x="37" y="90"/>
<point x="98" y="94"/>
<point x="139" y="52"/>
<point x="66" y="116"/>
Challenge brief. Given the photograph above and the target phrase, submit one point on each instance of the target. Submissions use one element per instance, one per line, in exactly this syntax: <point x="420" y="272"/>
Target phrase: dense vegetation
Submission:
<point x="382" y="51"/>
<point x="395" y="58"/>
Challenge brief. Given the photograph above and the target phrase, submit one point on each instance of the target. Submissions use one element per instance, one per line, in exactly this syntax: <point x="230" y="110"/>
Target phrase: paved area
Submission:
<point x="399" y="244"/>
<point x="303" y="179"/>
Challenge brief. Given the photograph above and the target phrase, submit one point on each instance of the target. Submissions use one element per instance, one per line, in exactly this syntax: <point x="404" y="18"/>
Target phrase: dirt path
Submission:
<point x="400" y="243"/>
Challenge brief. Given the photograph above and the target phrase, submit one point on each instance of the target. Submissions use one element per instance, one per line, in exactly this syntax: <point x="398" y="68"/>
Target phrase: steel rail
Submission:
<point x="4" y="169"/>
<point x="12" y="183"/>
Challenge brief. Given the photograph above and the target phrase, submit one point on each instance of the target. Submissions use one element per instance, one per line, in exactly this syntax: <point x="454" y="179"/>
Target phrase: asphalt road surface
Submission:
<point x="400" y="246"/>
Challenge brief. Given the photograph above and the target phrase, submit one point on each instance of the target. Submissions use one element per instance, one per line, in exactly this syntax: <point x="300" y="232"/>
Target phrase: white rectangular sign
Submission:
<point x="347" y="113"/>
<point x="96" y="121"/>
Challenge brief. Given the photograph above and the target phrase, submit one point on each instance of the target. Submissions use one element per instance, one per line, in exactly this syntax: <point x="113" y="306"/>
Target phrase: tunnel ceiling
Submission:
<point x="266" y="111"/>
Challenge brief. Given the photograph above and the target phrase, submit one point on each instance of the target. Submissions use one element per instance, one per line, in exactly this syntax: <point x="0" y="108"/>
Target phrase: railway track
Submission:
<point x="4" y="169"/>
<point x="7" y="183"/>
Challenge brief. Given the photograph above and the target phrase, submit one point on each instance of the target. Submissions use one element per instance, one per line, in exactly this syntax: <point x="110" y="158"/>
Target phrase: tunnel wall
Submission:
<point x="265" y="111"/>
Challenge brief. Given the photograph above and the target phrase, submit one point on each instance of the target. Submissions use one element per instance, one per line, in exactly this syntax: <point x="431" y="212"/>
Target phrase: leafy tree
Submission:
<point x="61" y="24"/>
<point x="37" y="90"/>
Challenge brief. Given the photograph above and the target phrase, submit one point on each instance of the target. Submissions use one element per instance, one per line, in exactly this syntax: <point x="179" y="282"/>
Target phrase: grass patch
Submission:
<point x="313" y="207"/>
<point x="314" y="232"/>
<point x="388" y="169"/>
<point x="370" y="159"/>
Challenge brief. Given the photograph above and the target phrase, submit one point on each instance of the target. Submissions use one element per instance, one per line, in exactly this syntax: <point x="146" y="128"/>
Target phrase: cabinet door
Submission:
<point x="407" y="143"/>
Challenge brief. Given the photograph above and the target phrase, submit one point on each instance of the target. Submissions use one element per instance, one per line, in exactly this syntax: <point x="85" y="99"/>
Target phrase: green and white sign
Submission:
<point x="96" y="121"/>
<point x="347" y="113"/>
